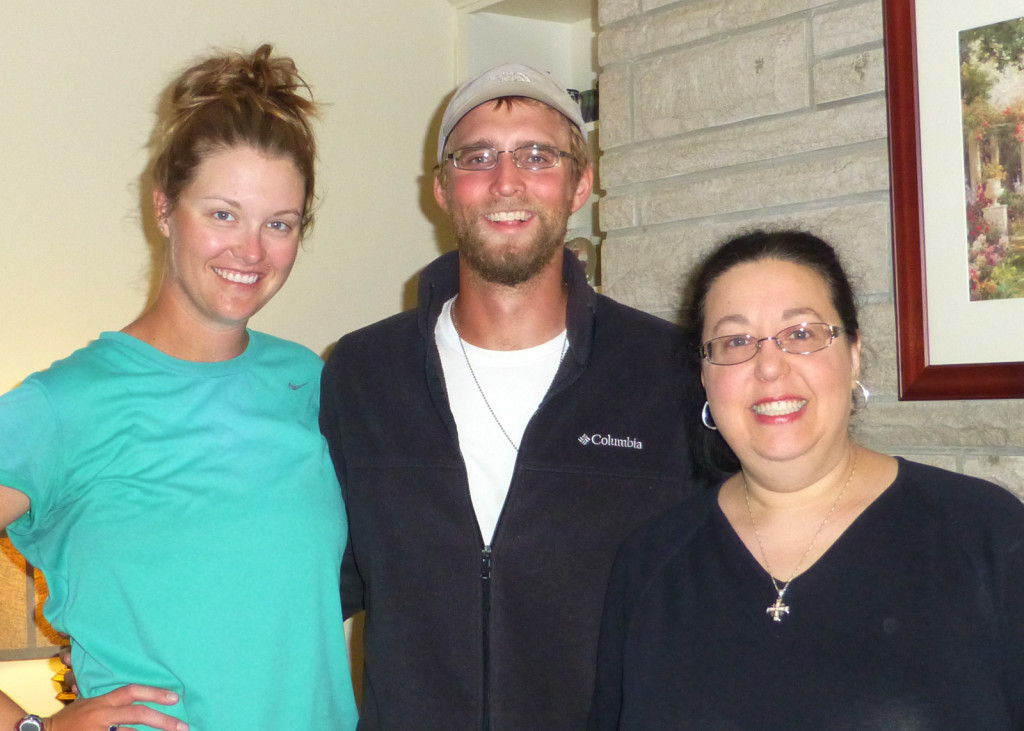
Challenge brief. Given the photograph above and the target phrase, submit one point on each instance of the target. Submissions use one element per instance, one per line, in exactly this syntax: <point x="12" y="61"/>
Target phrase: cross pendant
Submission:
<point x="777" y="610"/>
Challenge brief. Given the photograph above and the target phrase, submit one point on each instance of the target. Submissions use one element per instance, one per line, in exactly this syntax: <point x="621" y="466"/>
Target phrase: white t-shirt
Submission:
<point x="514" y="383"/>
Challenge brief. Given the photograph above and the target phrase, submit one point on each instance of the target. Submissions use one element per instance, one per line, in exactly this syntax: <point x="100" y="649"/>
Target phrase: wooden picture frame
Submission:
<point x="919" y="378"/>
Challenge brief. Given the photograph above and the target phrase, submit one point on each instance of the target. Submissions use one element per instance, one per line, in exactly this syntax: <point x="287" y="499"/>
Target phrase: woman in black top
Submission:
<point x="823" y="585"/>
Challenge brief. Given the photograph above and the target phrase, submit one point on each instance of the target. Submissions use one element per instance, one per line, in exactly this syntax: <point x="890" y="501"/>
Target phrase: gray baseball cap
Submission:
<point x="510" y="79"/>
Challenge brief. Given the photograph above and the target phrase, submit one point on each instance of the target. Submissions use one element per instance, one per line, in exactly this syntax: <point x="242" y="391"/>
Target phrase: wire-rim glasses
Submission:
<point x="802" y="339"/>
<point x="528" y="157"/>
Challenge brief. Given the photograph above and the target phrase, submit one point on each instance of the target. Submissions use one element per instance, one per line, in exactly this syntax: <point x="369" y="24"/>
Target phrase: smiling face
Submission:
<point x="778" y="406"/>
<point x="510" y="222"/>
<point x="233" y="236"/>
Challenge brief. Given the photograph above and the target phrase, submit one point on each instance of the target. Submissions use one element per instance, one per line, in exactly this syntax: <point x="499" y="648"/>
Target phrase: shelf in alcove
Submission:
<point x="560" y="11"/>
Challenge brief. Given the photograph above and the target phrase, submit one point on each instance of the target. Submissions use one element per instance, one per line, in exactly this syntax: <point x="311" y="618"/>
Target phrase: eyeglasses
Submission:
<point x="530" y="157"/>
<point x="802" y="339"/>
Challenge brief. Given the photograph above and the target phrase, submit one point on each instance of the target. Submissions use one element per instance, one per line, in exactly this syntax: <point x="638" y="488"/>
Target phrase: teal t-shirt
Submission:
<point x="190" y="526"/>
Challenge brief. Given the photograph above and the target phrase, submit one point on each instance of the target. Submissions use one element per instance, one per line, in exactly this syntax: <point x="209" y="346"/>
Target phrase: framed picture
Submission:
<point x="958" y="241"/>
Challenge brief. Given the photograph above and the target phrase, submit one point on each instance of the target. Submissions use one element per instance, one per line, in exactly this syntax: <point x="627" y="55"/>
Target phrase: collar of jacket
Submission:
<point x="439" y="282"/>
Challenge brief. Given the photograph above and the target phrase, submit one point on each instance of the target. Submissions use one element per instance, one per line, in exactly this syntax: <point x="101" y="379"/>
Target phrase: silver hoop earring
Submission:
<point x="707" y="418"/>
<point x="861" y="402"/>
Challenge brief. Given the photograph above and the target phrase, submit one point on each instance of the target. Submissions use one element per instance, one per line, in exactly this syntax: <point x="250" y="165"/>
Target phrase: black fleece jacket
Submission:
<point x="459" y="635"/>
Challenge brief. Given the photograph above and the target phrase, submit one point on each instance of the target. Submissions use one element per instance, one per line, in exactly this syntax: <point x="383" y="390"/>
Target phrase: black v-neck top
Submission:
<point x="913" y="619"/>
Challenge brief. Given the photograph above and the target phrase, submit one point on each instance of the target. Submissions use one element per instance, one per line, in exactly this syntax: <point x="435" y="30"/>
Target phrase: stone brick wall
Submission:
<point x="724" y="115"/>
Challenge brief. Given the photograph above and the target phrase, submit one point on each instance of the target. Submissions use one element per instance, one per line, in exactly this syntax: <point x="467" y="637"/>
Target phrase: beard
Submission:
<point x="509" y="259"/>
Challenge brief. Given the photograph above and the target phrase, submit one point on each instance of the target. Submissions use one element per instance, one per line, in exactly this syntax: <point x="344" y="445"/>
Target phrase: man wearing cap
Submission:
<point x="496" y="444"/>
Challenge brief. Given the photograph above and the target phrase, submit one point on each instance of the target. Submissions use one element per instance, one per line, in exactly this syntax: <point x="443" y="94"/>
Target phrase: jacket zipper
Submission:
<point x="485" y="585"/>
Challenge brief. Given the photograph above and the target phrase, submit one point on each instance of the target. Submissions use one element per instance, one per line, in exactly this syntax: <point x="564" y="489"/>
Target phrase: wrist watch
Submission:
<point x="30" y="723"/>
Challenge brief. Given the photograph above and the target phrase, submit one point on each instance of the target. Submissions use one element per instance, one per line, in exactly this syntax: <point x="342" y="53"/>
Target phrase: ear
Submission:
<point x="161" y="210"/>
<point x="583" y="189"/>
<point x="855" y="358"/>
<point x="439" y="194"/>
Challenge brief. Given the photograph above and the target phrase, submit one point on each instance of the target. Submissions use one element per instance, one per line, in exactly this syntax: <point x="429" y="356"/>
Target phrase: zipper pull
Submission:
<point x="485" y="563"/>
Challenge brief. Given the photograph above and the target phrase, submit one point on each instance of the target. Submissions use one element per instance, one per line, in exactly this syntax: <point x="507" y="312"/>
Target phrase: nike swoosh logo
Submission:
<point x="296" y="387"/>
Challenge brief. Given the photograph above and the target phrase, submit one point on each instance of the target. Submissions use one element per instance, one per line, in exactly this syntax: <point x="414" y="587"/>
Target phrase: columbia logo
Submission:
<point x="607" y="440"/>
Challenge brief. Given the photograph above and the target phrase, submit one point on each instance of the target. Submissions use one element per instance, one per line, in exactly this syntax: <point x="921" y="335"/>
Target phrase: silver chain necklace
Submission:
<point x="462" y="346"/>
<point x="778" y="608"/>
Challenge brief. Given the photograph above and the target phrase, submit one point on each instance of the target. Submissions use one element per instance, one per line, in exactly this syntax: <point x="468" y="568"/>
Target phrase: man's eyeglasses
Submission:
<point x="531" y="157"/>
<point x="802" y="339"/>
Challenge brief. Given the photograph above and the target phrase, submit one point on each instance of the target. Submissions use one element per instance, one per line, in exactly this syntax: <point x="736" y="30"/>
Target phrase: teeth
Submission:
<point x="779" y="408"/>
<point x="237" y="276"/>
<point x="508" y="216"/>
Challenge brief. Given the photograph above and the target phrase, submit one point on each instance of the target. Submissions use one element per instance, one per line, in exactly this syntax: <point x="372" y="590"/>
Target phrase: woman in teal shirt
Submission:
<point x="170" y="479"/>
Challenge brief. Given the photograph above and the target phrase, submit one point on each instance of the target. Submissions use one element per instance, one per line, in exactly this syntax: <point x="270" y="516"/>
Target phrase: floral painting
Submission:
<point x="992" y="98"/>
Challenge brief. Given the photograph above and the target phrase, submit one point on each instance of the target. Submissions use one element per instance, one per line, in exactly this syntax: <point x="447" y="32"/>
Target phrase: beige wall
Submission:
<point x="30" y="684"/>
<point x="78" y="87"/>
